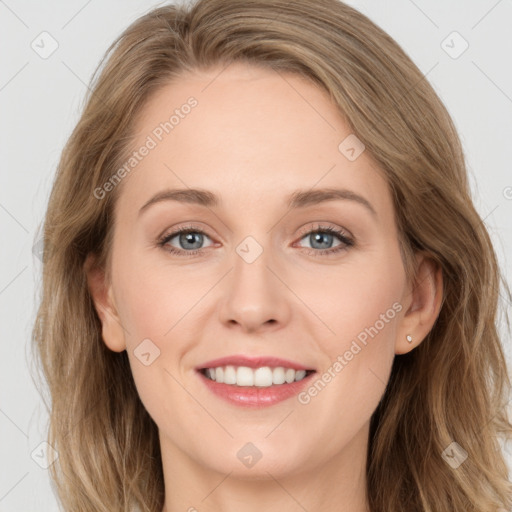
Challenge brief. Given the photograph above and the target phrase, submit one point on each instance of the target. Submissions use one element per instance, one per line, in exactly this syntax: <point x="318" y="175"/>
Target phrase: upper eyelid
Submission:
<point x="320" y="226"/>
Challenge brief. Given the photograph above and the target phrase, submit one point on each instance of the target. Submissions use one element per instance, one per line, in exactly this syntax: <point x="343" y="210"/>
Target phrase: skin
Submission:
<point x="254" y="138"/>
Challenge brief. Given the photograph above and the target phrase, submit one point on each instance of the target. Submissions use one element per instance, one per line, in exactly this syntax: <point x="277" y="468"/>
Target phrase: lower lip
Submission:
<point x="253" y="396"/>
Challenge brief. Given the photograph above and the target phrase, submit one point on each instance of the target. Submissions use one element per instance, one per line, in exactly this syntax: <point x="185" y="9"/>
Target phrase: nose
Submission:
<point x="255" y="298"/>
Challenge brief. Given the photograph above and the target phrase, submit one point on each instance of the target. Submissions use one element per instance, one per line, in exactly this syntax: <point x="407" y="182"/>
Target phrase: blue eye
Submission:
<point x="319" y="236"/>
<point x="192" y="238"/>
<point x="187" y="236"/>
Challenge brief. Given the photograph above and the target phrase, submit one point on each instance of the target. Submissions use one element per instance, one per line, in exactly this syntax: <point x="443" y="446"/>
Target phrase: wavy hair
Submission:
<point x="454" y="387"/>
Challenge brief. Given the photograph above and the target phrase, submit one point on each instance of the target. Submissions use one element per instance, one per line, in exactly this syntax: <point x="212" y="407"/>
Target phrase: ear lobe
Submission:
<point x="103" y="299"/>
<point x="425" y="300"/>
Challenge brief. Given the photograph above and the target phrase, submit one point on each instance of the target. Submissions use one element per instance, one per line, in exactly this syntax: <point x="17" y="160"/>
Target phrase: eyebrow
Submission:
<point x="296" y="200"/>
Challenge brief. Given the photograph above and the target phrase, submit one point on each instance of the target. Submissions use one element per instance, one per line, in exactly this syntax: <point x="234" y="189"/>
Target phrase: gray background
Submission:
<point x="40" y="101"/>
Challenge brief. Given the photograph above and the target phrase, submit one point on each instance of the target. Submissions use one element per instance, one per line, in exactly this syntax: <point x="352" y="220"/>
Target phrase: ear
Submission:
<point x="424" y="299"/>
<point x="103" y="299"/>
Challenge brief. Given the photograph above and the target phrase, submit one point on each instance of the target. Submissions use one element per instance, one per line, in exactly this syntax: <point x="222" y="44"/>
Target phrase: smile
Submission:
<point x="254" y="382"/>
<point x="259" y="377"/>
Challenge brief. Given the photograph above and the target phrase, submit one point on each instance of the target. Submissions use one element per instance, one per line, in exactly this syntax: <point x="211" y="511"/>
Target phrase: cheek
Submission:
<point x="361" y="308"/>
<point x="354" y="298"/>
<point x="153" y="299"/>
<point x="357" y="359"/>
<point x="153" y="306"/>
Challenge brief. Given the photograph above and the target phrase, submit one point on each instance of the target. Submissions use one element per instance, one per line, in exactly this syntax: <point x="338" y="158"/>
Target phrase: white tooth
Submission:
<point x="278" y="375"/>
<point x="244" y="376"/>
<point x="263" y="377"/>
<point x="229" y="375"/>
<point x="289" y="375"/>
<point x="219" y="374"/>
<point x="211" y="373"/>
<point x="300" y="374"/>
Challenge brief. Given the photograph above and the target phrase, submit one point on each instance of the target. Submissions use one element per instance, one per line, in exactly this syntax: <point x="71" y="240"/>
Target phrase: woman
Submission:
<point x="250" y="370"/>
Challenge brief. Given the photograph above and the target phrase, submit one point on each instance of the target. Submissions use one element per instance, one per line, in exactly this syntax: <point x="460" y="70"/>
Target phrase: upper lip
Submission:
<point x="253" y="362"/>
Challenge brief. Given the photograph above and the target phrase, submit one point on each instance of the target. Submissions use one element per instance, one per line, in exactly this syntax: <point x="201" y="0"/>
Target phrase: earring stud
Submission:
<point x="409" y="338"/>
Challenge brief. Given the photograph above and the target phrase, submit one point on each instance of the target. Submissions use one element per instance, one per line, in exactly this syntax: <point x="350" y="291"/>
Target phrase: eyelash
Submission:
<point x="346" y="240"/>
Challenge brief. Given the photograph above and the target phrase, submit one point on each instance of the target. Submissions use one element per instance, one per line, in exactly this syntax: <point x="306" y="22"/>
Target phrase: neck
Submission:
<point x="337" y="485"/>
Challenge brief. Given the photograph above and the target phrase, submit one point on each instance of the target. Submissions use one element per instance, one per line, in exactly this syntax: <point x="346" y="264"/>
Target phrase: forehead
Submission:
<point x="247" y="134"/>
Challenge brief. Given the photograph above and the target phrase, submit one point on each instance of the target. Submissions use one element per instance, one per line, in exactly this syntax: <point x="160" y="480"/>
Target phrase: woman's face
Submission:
<point x="257" y="282"/>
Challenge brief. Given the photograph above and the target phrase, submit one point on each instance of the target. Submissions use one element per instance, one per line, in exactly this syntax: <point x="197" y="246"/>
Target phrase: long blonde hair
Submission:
<point x="452" y="388"/>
